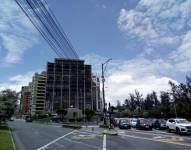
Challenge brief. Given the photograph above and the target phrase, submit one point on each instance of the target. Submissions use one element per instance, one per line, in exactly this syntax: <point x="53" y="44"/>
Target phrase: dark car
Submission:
<point x="11" y="119"/>
<point x="124" y="124"/>
<point x="160" y="124"/>
<point x="144" y="124"/>
<point x="28" y="119"/>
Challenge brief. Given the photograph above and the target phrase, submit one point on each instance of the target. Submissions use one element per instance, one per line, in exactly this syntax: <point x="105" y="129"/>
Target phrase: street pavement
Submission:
<point x="30" y="136"/>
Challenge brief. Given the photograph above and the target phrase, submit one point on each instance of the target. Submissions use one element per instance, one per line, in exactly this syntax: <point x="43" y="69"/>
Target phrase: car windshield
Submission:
<point x="182" y="121"/>
<point x="144" y="121"/>
<point x="162" y="121"/>
<point x="124" y="121"/>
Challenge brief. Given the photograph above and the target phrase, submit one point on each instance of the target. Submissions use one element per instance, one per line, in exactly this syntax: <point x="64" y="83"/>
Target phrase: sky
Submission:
<point x="149" y="42"/>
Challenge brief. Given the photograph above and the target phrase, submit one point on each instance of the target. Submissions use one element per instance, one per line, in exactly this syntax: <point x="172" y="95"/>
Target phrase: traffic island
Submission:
<point x="72" y="126"/>
<point x="83" y="137"/>
<point x="42" y="121"/>
<point x="110" y="132"/>
<point x="104" y="126"/>
<point x="6" y="142"/>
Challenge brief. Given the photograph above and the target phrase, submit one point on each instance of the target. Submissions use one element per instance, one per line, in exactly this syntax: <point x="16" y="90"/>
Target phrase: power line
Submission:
<point x="48" y="26"/>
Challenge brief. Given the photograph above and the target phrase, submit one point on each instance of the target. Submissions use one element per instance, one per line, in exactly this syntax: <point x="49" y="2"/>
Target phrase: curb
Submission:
<point x="110" y="132"/>
<point x="14" y="147"/>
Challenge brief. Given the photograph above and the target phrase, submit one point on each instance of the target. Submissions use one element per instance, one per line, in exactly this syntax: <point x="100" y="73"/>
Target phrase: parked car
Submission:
<point x="159" y="124"/>
<point x="11" y="119"/>
<point x="28" y="119"/>
<point x="124" y="124"/>
<point x="133" y="122"/>
<point x="116" y="121"/>
<point x="55" y="119"/>
<point x="178" y="125"/>
<point x="144" y="124"/>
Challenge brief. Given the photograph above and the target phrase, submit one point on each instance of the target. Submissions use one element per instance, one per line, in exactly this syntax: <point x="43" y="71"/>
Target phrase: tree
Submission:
<point x="148" y="103"/>
<point x="8" y="102"/>
<point x="165" y="103"/>
<point x="139" y="101"/>
<point x="125" y="113"/>
<point x="155" y="98"/>
<point x="62" y="112"/>
<point x="132" y="102"/>
<point x="89" y="113"/>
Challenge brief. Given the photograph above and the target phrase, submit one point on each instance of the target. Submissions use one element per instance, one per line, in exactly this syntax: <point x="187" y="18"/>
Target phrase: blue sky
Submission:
<point x="148" y="40"/>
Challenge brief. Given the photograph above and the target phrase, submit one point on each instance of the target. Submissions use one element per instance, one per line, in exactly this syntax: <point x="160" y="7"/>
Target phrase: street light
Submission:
<point x="104" y="65"/>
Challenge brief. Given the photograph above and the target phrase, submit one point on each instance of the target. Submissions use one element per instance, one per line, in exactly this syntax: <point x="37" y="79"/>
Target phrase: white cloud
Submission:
<point x="125" y="76"/>
<point x="157" y="23"/>
<point x="103" y="6"/>
<point x="119" y="86"/>
<point x="182" y="55"/>
<point x="16" y="32"/>
<point x="17" y="81"/>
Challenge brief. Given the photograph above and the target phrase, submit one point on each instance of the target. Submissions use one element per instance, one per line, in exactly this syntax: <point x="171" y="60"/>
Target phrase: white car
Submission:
<point x="179" y="125"/>
<point x="133" y="122"/>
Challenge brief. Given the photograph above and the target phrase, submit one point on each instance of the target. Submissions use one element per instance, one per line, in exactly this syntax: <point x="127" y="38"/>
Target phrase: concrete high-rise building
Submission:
<point x="38" y="93"/>
<point x="25" y="99"/>
<point x="97" y="101"/>
<point x="68" y="84"/>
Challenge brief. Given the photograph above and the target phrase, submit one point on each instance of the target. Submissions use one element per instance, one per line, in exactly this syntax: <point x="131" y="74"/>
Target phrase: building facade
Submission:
<point x="38" y="93"/>
<point x="97" y="101"/>
<point x="68" y="84"/>
<point x="25" y="99"/>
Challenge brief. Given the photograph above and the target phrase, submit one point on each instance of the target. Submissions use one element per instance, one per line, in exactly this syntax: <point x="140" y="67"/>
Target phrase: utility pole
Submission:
<point x="175" y="109"/>
<point x="174" y="104"/>
<point x="103" y="66"/>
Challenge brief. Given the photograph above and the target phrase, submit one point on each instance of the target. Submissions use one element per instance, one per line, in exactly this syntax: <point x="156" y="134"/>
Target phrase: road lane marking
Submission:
<point x="156" y="140"/>
<point x="54" y="141"/>
<point x="104" y="142"/>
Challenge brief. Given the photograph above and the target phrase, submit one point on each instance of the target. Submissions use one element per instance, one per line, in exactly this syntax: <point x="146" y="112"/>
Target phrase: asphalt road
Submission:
<point x="29" y="136"/>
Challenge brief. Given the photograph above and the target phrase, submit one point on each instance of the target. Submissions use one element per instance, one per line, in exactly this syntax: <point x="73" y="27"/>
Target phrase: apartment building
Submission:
<point x="68" y="84"/>
<point x="38" y="93"/>
<point x="25" y="99"/>
<point x="97" y="100"/>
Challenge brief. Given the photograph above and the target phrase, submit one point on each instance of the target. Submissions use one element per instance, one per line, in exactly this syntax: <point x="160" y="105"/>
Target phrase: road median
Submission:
<point x="72" y="126"/>
<point x="110" y="132"/>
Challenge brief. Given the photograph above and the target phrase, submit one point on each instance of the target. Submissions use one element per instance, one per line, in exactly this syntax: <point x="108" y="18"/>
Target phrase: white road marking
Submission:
<point x="43" y="147"/>
<point x="156" y="140"/>
<point x="104" y="142"/>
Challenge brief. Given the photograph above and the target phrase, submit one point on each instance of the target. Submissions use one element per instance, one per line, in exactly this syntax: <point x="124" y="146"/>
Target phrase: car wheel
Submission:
<point x="178" y="131"/>
<point x="169" y="130"/>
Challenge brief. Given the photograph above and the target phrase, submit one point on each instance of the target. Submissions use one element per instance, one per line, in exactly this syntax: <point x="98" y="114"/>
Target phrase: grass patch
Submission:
<point x="42" y="121"/>
<point x="72" y="126"/>
<point x="5" y="137"/>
